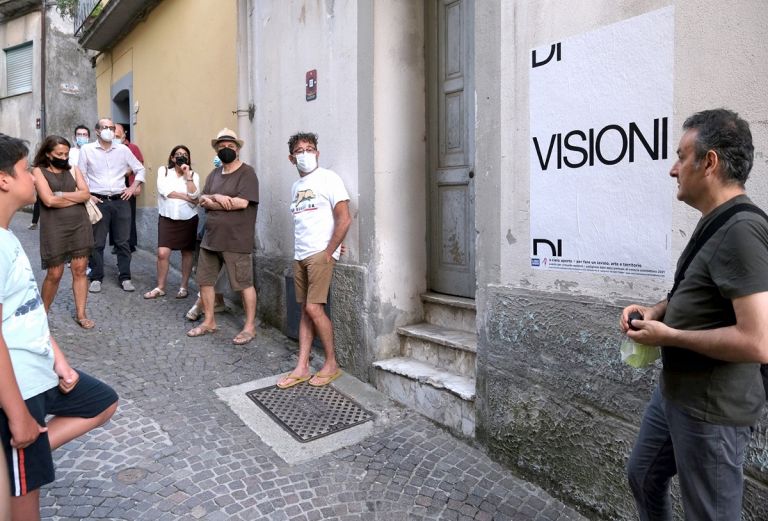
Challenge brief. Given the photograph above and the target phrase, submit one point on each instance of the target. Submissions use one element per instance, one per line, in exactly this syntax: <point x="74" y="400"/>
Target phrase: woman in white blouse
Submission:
<point x="178" y="187"/>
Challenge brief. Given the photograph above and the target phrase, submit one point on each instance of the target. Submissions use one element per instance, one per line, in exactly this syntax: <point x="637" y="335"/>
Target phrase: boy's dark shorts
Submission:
<point x="32" y="467"/>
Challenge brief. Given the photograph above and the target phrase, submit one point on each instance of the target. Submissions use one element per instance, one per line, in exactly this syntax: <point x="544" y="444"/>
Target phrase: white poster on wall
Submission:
<point x="601" y="149"/>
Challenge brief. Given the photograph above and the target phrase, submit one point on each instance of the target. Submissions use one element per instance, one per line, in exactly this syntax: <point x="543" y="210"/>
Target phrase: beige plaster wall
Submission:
<point x="289" y="38"/>
<point x="399" y="126"/>
<point x="183" y="62"/>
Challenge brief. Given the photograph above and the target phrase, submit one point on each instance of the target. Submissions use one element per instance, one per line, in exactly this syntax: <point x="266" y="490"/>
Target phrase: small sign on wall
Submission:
<point x="70" y="88"/>
<point x="311" y="84"/>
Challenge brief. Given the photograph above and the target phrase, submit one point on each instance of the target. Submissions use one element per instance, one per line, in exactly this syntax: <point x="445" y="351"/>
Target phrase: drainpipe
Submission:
<point x="43" y="43"/>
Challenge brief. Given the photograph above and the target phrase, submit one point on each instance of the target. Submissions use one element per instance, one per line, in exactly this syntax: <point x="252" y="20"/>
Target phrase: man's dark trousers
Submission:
<point x="115" y="220"/>
<point x="707" y="458"/>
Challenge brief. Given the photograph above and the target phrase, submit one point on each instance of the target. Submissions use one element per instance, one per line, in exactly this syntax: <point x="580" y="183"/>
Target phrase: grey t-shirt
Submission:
<point x="732" y="263"/>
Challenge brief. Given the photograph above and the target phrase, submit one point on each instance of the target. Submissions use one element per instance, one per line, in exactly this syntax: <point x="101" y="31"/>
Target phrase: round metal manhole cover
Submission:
<point x="131" y="475"/>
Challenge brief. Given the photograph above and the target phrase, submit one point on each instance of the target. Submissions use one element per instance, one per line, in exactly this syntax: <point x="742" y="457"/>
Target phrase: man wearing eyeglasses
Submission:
<point x="320" y="208"/>
<point x="104" y="164"/>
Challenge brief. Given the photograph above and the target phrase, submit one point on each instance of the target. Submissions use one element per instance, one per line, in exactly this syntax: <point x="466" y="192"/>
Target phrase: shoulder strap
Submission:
<point x="707" y="233"/>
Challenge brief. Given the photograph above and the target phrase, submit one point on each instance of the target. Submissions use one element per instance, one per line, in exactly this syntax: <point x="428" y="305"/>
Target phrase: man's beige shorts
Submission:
<point x="312" y="278"/>
<point x="239" y="268"/>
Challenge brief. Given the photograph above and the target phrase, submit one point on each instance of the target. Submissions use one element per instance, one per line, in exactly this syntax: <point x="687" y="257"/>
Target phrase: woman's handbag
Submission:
<point x="94" y="214"/>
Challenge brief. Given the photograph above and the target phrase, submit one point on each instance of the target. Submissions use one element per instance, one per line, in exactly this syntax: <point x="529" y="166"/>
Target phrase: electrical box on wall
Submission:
<point x="311" y="84"/>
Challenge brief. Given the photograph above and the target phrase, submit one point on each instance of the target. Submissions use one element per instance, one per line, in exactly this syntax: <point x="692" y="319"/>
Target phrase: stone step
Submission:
<point x="448" y="311"/>
<point x="443" y="396"/>
<point x="442" y="335"/>
<point x="449" y="349"/>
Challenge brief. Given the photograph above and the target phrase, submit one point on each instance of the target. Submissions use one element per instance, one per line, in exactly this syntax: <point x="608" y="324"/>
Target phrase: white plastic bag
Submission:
<point x="638" y="355"/>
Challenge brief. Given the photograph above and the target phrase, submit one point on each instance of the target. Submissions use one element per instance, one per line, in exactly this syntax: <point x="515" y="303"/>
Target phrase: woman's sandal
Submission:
<point x="201" y="330"/>
<point x="157" y="292"/>
<point x="243" y="338"/>
<point x="85" y="323"/>
<point x="183" y="293"/>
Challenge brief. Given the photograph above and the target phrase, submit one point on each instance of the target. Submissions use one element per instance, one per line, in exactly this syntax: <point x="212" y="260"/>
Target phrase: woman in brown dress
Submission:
<point x="66" y="233"/>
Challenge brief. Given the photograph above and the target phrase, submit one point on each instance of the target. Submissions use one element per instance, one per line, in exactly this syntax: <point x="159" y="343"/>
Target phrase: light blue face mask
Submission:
<point x="216" y="162"/>
<point x="117" y="141"/>
<point x="81" y="140"/>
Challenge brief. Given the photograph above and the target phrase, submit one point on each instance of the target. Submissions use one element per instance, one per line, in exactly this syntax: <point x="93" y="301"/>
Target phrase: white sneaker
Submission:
<point x="95" y="286"/>
<point x="128" y="285"/>
<point x="32" y="226"/>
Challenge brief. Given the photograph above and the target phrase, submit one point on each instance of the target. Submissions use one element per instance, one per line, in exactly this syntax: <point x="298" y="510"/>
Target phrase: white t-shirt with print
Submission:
<point x="25" y="324"/>
<point x="314" y="197"/>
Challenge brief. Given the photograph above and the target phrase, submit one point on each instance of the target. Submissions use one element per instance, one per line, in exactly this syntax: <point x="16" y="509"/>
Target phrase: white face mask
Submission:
<point x="107" y="134"/>
<point x="306" y="162"/>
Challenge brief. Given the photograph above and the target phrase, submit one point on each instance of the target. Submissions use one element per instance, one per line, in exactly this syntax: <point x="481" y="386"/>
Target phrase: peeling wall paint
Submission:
<point x="556" y="402"/>
<point x="70" y="80"/>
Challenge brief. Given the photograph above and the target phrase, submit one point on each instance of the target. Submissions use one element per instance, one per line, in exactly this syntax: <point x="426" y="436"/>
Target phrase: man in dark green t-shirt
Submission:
<point x="713" y="335"/>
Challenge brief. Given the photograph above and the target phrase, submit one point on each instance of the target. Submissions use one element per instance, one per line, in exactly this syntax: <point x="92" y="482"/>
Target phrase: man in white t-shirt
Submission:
<point x="320" y="208"/>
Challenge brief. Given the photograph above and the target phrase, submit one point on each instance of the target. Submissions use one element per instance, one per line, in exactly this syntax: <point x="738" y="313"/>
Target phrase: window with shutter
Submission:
<point x="18" y="68"/>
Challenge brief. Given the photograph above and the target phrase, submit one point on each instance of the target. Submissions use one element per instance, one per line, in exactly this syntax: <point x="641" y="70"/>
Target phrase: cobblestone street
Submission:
<point x="175" y="450"/>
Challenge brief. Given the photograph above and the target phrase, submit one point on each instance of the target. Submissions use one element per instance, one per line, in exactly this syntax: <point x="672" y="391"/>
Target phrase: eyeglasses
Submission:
<point x="302" y="150"/>
<point x="108" y="128"/>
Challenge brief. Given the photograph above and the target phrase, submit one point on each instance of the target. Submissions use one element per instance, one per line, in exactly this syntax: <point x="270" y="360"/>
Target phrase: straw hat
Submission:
<point x="226" y="134"/>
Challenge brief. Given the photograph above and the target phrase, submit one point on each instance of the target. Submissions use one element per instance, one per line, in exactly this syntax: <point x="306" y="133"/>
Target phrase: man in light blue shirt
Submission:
<point x="104" y="165"/>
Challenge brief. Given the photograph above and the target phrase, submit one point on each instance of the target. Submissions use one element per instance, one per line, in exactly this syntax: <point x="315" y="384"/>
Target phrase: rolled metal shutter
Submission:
<point x="18" y="67"/>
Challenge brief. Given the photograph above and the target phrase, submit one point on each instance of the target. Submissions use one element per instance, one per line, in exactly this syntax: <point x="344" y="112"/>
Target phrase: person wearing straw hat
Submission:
<point x="230" y="198"/>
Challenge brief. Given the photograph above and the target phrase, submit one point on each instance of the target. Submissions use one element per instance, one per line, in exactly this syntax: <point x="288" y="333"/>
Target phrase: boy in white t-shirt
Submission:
<point x="320" y="208"/>
<point x="37" y="380"/>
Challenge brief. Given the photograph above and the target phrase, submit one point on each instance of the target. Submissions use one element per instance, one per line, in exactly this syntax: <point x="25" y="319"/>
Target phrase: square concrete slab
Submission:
<point x="284" y="444"/>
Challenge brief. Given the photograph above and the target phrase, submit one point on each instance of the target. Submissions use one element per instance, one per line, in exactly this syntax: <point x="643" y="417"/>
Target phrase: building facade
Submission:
<point x="47" y="84"/>
<point x="167" y="71"/>
<point x="500" y="156"/>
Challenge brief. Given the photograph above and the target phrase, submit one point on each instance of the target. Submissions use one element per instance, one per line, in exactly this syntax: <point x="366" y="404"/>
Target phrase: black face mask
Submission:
<point x="227" y="155"/>
<point x="181" y="160"/>
<point x="61" y="164"/>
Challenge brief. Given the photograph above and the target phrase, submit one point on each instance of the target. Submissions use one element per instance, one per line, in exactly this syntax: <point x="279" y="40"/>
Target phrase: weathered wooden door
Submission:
<point x="451" y="139"/>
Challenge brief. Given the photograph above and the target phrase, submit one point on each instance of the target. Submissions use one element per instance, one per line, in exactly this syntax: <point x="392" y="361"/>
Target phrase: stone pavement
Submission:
<point x="175" y="450"/>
